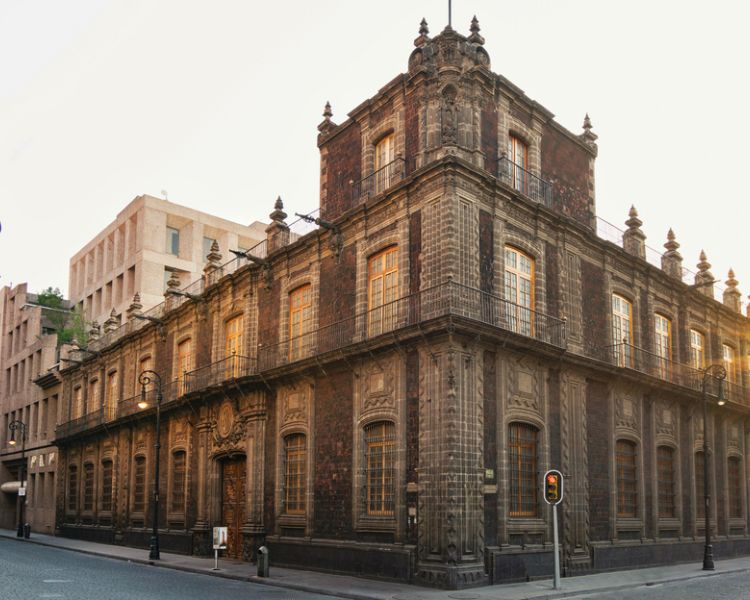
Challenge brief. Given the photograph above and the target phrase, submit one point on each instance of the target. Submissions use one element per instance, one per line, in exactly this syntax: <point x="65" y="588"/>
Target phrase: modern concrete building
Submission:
<point x="382" y="396"/>
<point x="29" y="393"/>
<point x="139" y="251"/>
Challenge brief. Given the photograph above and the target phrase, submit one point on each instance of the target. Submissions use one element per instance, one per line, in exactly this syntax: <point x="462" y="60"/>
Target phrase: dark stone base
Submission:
<point x="202" y="543"/>
<point x="251" y="541"/>
<point x="509" y="567"/>
<point x="350" y="558"/>
<point x="449" y="577"/>
<point x="169" y="541"/>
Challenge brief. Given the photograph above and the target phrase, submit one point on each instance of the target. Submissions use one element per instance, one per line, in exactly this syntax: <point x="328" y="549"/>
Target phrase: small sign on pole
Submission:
<point x="22" y="491"/>
<point x="220" y="543"/>
<point x="553" y="494"/>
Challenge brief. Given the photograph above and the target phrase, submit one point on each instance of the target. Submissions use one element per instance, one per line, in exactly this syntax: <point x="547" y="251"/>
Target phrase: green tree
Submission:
<point x="69" y="324"/>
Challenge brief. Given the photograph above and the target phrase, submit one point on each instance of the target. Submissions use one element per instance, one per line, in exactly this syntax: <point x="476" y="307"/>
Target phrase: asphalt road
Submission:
<point x="729" y="586"/>
<point x="30" y="571"/>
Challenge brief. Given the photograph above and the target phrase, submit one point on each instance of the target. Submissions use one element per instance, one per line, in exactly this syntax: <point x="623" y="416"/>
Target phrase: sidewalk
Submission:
<point x="368" y="589"/>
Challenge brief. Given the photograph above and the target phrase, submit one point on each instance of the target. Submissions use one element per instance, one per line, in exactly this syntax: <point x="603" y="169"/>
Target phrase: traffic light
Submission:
<point x="553" y="487"/>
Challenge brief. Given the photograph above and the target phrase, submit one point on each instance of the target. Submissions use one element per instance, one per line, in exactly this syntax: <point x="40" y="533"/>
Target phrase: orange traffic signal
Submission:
<point x="553" y="487"/>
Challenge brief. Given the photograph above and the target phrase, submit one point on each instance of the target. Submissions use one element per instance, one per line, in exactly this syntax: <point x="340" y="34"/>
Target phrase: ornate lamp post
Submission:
<point x="145" y="378"/>
<point x="719" y="373"/>
<point x="21" y="500"/>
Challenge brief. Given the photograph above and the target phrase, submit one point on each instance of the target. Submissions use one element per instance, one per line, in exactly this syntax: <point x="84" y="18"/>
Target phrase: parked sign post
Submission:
<point x="553" y="494"/>
<point x="220" y="543"/>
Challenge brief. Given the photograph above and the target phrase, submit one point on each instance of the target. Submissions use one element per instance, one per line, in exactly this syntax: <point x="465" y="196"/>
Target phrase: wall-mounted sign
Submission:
<point x="22" y="491"/>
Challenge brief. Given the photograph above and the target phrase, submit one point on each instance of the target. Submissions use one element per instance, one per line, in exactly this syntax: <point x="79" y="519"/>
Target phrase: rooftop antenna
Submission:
<point x="449" y="14"/>
<point x="164" y="193"/>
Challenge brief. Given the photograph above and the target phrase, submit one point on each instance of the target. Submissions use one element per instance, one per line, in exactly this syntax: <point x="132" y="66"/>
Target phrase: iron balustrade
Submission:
<point x="380" y="180"/>
<point x="524" y="181"/>
<point x="231" y="367"/>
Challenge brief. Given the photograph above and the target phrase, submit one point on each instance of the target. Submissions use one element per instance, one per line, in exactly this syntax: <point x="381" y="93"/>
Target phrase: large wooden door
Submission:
<point x="233" y="502"/>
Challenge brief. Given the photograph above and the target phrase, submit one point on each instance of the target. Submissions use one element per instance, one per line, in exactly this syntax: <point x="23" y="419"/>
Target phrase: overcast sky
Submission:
<point x="218" y="101"/>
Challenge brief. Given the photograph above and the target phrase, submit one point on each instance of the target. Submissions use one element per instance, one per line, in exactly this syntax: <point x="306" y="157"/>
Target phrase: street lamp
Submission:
<point x="145" y="378"/>
<point x="719" y="373"/>
<point x="13" y="426"/>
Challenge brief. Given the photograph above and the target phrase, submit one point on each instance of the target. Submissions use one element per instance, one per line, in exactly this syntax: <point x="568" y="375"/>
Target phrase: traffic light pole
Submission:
<point x="556" y="548"/>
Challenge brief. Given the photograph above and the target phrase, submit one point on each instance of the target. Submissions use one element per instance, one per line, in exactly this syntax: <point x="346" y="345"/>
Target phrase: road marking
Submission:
<point x="57" y="581"/>
<point x="50" y="595"/>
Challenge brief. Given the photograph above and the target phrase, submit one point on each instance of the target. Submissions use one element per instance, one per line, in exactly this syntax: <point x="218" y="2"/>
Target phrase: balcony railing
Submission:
<point x="380" y="180"/>
<point x="231" y="367"/>
<point x="445" y="299"/>
<point x="525" y="181"/>
<point x="635" y="358"/>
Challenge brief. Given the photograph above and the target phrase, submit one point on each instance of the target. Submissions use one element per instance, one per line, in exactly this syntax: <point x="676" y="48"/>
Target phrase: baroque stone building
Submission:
<point x="382" y="395"/>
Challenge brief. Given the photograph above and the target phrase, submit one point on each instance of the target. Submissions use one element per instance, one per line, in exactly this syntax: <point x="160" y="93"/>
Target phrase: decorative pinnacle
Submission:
<point x="474" y="28"/>
<point x="137" y="298"/>
<point x="587" y="122"/>
<point x="327" y="112"/>
<point x="633" y="222"/>
<point x="423" y="29"/>
<point x="731" y="281"/>
<point x="671" y="244"/>
<point x="703" y="265"/>
<point x="587" y="134"/>
<point x="278" y="215"/>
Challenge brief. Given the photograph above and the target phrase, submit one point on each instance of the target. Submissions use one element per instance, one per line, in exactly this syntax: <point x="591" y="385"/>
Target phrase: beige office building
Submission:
<point x="149" y="240"/>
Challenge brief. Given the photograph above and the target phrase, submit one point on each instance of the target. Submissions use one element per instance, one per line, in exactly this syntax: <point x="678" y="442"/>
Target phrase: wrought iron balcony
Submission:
<point x="226" y="369"/>
<point x="380" y="180"/>
<point x="524" y="181"/>
<point x="447" y="299"/>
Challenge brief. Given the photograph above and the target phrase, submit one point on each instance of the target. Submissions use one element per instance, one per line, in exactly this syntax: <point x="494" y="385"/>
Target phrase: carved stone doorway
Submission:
<point x="233" y="471"/>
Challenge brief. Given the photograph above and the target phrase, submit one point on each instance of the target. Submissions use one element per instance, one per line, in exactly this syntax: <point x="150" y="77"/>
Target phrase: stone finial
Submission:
<point x="588" y="136"/>
<point x="475" y="38"/>
<point x="326" y="124"/>
<point x="704" y="278"/>
<point x="277" y="233"/>
<point x="423" y="34"/>
<point x="112" y="322"/>
<point x="173" y="282"/>
<point x="732" y="294"/>
<point x="134" y="308"/>
<point x="95" y="331"/>
<point x="212" y="271"/>
<point x="634" y="240"/>
<point x="671" y="260"/>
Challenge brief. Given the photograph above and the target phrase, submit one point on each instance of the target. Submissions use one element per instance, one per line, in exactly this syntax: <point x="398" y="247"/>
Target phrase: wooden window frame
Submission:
<point x="177" y="494"/>
<point x="140" y="485"/>
<point x="519" y="169"/>
<point x="520" y="314"/>
<point x="112" y="394"/>
<point x="697" y="349"/>
<point x="699" y="466"/>
<point x="663" y="344"/>
<point x="233" y="344"/>
<point x="626" y="464"/>
<point x="295" y="473"/>
<point x="734" y="487"/>
<point x="107" y="484"/>
<point x="300" y="321"/>
<point x="381" y="317"/>
<point x="523" y="470"/>
<point x="729" y="361"/>
<point x="666" y="482"/>
<point x="622" y="338"/>
<point x="184" y="364"/>
<point x="89" y="486"/>
<point x="72" y="499"/>
<point x="380" y="469"/>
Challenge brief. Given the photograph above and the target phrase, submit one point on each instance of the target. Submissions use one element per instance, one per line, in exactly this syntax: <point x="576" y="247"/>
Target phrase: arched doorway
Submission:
<point x="233" y="469"/>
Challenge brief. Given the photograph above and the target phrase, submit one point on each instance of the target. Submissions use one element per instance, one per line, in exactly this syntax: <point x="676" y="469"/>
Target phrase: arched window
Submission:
<point x="88" y="486"/>
<point x="300" y="322"/>
<point x="519" y="289"/>
<point x="627" y="482"/>
<point x="177" y="504"/>
<point x="666" y="482"/>
<point x="139" y="484"/>
<point x="380" y="441"/>
<point x="295" y="473"/>
<point x="233" y="336"/>
<point x="663" y="345"/>
<point x="622" y="331"/>
<point x="734" y="484"/>
<point x="523" y="452"/>
<point x="72" y="488"/>
<point x="106" y="485"/>
<point x="382" y="291"/>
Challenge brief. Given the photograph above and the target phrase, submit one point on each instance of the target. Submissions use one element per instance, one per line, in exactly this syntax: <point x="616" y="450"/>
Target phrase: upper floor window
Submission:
<point x="379" y="468"/>
<point x="295" y="473"/>
<point x="730" y="363"/>
<point x="519" y="289"/>
<point x="94" y="398"/>
<point x="518" y="155"/>
<point x="666" y="482"/>
<point x="522" y="457"/>
<point x="382" y="290"/>
<point x="697" y="349"/>
<point x="622" y="330"/>
<point x="300" y="321"/>
<point x="663" y="343"/>
<point x="173" y="241"/>
<point x="77" y="402"/>
<point x="384" y="155"/>
<point x="233" y="336"/>
<point x="112" y="391"/>
<point x="627" y="483"/>
<point x="184" y="364"/>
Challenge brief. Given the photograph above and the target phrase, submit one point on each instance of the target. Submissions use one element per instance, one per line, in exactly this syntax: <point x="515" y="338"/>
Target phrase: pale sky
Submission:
<point x="218" y="101"/>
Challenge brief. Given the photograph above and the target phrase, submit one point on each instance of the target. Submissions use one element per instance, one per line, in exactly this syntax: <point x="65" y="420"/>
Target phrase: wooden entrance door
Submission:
<point x="233" y="502"/>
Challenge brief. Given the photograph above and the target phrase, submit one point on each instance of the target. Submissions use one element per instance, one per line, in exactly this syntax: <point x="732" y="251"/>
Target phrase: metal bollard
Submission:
<point x="26" y="530"/>
<point x="262" y="561"/>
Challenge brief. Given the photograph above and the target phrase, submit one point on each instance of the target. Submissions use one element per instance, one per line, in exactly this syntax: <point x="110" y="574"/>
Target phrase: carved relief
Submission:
<point x="733" y="437"/>
<point x="227" y="429"/>
<point x="627" y="411"/>
<point x="449" y="115"/>
<point x="666" y="419"/>
<point x="179" y="431"/>
<point x="523" y="386"/>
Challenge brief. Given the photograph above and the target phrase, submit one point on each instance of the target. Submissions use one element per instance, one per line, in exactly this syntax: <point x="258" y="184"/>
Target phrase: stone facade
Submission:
<point x="379" y="398"/>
